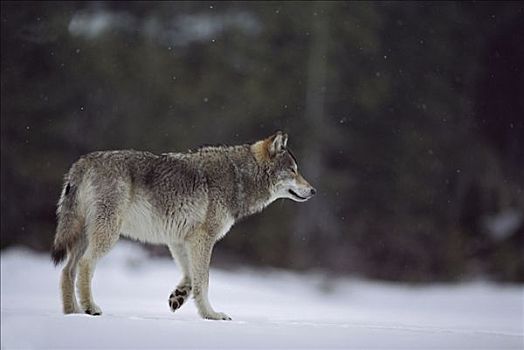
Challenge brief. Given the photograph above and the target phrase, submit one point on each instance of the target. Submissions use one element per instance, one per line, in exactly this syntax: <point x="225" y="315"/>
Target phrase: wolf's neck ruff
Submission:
<point x="234" y="173"/>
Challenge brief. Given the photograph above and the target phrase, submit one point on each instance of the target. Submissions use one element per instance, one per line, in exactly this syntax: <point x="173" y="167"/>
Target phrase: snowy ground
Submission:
<point x="270" y="309"/>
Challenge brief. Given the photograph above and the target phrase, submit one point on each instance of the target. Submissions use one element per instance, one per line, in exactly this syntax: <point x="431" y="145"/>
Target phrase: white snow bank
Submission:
<point x="270" y="309"/>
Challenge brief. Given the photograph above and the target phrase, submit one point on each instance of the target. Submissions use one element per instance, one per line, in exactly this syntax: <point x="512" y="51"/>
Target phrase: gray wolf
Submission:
<point x="187" y="201"/>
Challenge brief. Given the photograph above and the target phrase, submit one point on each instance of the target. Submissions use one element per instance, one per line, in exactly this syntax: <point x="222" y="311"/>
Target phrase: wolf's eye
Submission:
<point x="293" y="171"/>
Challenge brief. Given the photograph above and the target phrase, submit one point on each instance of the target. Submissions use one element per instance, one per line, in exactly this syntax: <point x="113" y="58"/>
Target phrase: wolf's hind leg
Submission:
<point x="67" y="280"/>
<point x="102" y="239"/>
<point x="178" y="297"/>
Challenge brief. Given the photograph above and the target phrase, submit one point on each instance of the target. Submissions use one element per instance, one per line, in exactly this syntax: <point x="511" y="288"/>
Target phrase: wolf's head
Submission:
<point x="281" y="165"/>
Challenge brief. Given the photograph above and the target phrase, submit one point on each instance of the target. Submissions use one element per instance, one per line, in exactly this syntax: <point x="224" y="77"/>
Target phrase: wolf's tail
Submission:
<point x="70" y="223"/>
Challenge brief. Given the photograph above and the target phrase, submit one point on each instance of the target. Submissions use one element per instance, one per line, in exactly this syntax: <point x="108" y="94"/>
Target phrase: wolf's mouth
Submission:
<point x="293" y="193"/>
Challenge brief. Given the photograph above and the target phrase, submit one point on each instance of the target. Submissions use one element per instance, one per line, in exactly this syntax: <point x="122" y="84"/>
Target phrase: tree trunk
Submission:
<point x="311" y="219"/>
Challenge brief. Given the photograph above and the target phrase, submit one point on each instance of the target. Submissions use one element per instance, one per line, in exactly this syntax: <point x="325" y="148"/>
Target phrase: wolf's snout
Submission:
<point x="313" y="192"/>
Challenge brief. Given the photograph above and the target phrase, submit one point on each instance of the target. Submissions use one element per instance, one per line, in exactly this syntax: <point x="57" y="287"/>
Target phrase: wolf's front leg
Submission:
<point x="200" y="246"/>
<point x="182" y="291"/>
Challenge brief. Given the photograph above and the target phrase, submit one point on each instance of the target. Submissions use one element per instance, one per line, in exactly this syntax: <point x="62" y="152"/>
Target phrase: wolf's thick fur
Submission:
<point x="187" y="201"/>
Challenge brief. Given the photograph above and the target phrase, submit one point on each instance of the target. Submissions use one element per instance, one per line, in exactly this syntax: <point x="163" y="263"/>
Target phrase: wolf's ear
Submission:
<point x="278" y="143"/>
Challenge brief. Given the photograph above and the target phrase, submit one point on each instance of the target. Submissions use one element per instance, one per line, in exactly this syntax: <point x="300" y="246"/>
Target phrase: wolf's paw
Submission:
<point x="93" y="310"/>
<point x="179" y="297"/>
<point x="216" y="316"/>
<point x="75" y="309"/>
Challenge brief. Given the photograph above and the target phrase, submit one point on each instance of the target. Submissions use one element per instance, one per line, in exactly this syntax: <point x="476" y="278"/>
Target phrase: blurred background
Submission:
<point x="408" y="118"/>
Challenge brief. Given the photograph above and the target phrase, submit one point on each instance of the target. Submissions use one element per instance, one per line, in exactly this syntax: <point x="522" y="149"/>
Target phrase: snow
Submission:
<point x="183" y="29"/>
<point x="504" y="224"/>
<point x="270" y="309"/>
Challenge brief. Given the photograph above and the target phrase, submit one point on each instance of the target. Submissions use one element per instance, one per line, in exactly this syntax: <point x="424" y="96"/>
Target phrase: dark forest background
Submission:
<point x="408" y="118"/>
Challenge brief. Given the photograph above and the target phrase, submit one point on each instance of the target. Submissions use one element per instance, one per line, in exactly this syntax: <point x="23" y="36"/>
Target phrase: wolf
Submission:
<point x="187" y="201"/>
